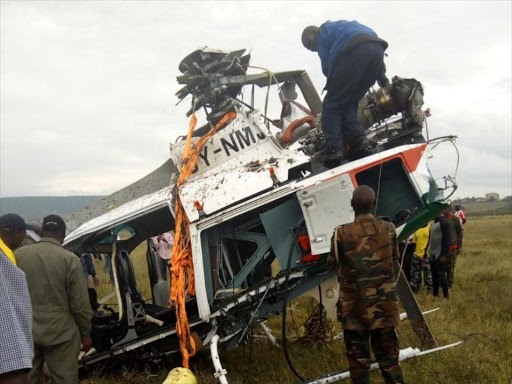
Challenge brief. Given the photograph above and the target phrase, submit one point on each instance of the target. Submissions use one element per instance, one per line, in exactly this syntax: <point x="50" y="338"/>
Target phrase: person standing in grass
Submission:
<point x="16" y="347"/>
<point x="62" y="313"/>
<point x="462" y="217"/>
<point x="89" y="270"/>
<point x="438" y="251"/>
<point x="365" y="253"/>
<point x="455" y="243"/>
<point x="420" y="264"/>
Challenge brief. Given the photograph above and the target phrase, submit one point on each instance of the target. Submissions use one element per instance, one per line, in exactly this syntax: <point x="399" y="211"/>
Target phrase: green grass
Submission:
<point x="487" y="208"/>
<point x="479" y="313"/>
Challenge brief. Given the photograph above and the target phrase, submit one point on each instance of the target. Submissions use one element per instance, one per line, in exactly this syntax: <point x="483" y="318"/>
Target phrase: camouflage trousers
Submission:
<point x="420" y="266"/>
<point x="385" y="346"/>
<point x="451" y="259"/>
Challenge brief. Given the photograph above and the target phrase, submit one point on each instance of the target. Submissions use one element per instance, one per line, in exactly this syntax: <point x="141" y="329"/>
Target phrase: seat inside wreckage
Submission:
<point x="134" y="315"/>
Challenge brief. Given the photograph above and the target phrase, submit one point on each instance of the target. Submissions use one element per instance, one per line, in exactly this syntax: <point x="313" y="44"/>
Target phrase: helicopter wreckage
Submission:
<point x="260" y="209"/>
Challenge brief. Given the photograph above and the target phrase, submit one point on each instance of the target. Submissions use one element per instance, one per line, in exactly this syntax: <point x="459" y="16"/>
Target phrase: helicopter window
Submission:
<point x="397" y="198"/>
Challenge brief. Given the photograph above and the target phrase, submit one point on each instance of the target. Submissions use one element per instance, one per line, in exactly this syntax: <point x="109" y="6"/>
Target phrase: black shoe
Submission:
<point x="328" y="155"/>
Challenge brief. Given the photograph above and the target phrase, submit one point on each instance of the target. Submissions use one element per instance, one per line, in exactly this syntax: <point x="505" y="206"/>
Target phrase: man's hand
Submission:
<point x="96" y="280"/>
<point x="86" y="343"/>
<point x="383" y="81"/>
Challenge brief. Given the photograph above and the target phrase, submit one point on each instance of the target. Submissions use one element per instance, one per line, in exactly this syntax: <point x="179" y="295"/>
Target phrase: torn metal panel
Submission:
<point x="242" y="156"/>
<point x="152" y="182"/>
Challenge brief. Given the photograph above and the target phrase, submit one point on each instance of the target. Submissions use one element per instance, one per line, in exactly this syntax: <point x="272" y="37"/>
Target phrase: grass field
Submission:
<point x="479" y="313"/>
<point x="487" y="208"/>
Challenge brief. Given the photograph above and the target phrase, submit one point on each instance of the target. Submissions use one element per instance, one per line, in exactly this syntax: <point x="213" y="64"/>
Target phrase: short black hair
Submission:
<point x="11" y="222"/>
<point x="54" y="223"/>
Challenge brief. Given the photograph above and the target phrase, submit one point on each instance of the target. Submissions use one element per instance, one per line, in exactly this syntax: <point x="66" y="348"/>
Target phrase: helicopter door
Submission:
<point x="325" y="206"/>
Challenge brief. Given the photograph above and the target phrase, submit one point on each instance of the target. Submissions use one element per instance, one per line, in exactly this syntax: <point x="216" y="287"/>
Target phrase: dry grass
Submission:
<point x="479" y="313"/>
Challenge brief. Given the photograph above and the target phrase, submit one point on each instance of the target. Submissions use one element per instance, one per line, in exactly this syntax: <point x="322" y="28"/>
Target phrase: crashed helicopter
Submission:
<point x="261" y="208"/>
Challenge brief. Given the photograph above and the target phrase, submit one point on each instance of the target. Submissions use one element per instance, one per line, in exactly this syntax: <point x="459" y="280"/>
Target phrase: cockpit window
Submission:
<point x="121" y="232"/>
<point x="397" y="197"/>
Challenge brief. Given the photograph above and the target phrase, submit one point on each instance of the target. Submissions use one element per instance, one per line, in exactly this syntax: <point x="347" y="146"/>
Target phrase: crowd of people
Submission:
<point x="45" y="311"/>
<point x="430" y="254"/>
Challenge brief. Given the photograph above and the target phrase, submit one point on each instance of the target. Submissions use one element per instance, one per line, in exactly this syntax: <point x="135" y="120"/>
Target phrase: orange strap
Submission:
<point x="182" y="268"/>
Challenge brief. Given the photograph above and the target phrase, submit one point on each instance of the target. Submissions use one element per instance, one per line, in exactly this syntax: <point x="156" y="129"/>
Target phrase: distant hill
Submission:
<point x="486" y="208"/>
<point x="34" y="208"/>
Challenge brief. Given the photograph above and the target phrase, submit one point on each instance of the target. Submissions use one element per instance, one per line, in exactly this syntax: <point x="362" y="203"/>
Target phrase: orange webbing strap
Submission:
<point x="182" y="269"/>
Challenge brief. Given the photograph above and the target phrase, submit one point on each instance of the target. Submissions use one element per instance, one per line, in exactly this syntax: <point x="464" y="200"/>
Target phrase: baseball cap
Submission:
<point x="12" y="222"/>
<point x="53" y="223"/>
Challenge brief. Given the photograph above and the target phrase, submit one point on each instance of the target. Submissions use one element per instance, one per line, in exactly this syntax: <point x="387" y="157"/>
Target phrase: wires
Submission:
<point x="270" y="77"/>
<point x="285" y="302"/>
<point x="379" y="181"/>
<point x="402" y="261"/>
<point x="451" y="139"/>
<point x="426" y="128"/>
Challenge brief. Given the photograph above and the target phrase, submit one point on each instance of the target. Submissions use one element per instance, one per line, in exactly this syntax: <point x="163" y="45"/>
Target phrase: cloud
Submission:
<point x="87" y="88"/>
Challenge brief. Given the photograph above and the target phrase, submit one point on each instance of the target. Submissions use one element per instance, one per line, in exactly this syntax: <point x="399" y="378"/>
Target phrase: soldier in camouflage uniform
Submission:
<point x="455" y="243"/>
<point x="364" y="253"/>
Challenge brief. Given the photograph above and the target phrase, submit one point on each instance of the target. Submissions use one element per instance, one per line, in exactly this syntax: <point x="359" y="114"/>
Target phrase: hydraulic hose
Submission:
<point x="285" y="302"/>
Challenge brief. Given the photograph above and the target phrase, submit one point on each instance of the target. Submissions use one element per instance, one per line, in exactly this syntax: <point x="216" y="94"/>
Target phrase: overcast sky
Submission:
<point x="87" y="88"/>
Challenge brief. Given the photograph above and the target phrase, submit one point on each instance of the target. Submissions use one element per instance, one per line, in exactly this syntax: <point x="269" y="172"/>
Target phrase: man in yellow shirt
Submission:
<point x="419" y="262"/>
<point x="12" y="233"/>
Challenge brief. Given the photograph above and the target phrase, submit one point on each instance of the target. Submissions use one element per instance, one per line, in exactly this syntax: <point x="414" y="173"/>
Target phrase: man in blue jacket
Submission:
<point x="352" y="57"/>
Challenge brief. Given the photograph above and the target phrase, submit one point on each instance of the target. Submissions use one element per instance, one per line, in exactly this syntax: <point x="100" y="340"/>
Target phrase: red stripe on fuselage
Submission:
<point x="410" y="158"/>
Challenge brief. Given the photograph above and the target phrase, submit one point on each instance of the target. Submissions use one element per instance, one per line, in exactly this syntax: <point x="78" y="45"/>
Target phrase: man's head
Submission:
<point x="457" y="208"/>
<point x="12" y="230"/>
<point x="54" y="227"/>
<point x="363" y="199"/>
<point x="309" y="37"/>
<point x="447" y="211"/>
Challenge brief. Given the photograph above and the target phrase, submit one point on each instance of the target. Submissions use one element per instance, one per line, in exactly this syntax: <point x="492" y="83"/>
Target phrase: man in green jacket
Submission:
<point x="61" y="310"/>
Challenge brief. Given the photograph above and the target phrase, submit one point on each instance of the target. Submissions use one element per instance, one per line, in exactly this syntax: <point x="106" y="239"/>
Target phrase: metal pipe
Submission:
<point x="403" y="316"/>
<point x="405" y="354"/>
<point x="269" y="334"/>
<point x="220" y="373"/>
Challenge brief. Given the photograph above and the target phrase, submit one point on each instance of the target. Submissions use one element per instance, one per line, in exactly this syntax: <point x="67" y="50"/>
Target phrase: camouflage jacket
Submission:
<point x="364" y="253"/>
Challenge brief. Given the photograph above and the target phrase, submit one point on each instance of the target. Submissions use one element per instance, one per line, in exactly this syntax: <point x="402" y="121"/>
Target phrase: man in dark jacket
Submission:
<point x="352" y="57"/>
<point x="439" y="249"/>
<point x="455" y="242"/>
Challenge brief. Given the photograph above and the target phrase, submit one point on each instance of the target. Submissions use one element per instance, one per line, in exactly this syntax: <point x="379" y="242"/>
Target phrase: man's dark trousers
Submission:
<point x="354" y="73"/>
<point x="439" y="276"/>
<point x="386" y="349"/>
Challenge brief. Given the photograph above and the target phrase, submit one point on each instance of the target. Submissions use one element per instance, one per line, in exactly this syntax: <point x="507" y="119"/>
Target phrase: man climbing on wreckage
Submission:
<point x="364" y="253"/>
<point x="352" y="57"/>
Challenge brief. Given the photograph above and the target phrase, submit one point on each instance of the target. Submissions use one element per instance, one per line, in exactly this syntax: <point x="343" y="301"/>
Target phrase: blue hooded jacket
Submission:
<point x="336" y="36"/>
